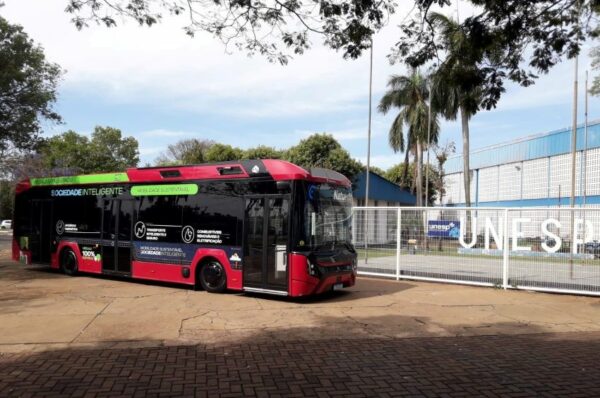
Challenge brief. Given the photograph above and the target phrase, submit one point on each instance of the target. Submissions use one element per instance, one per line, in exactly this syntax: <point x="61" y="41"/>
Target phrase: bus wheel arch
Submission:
<point x="68" y="261"/>
<point x="211" y="275"/>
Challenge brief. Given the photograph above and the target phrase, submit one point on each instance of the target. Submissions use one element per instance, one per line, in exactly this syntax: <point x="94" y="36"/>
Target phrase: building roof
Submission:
<point x="552" y="143"/>
<point x="381" y="189"/>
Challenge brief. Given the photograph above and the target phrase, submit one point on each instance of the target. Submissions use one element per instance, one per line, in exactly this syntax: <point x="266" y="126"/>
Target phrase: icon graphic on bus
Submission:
<point x="139" y="229"/>
<point x="60" y="227"/>
<point x="187" y="234"/>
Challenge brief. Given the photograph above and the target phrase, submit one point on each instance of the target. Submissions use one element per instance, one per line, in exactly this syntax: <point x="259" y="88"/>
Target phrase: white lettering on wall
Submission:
<point x="551" y="236"/>
<point x="461" y="234"/>
<point x="490" y="230"/>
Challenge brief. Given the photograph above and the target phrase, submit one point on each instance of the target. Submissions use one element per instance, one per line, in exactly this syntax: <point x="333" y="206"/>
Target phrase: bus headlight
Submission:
<point x="312" y="268"/>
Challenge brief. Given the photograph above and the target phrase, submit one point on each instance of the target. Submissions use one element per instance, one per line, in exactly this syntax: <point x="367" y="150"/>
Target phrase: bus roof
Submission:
<point x="279" y="170"/>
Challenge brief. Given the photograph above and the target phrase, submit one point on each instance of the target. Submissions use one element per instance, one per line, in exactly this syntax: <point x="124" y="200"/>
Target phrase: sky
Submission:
<point x="159" y="86"/>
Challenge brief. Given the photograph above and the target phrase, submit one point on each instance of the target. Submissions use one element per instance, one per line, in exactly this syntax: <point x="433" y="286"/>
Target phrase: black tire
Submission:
<point x="68" y="262"/>
<point x="213" y="277"/>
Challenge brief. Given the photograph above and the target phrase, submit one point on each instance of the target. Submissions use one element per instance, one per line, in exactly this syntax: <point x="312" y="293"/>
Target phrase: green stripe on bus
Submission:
<point x="164" y="189"/>
<point x="83" y="179"/>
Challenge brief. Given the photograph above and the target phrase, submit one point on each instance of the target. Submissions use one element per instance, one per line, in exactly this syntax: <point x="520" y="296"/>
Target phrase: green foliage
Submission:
<point x="27" y="89"/>
<point x="409" y="94"/>
<point x="595" y="54"/>
<point x="275" y="30"/>
<point x="106" y="151"/>
<point x="190" y="151"/>
<point x="505" y="40"/>
<point x="377" y="170"/>
<point x="222" y="153"/>
<point x="322" y="150"/>
<point x="457" y="83"/>
<point x="263" y="152"/>
<point x="398" y="174"/>
<point x="68" y="150"/>
<point x="6" y="200"/>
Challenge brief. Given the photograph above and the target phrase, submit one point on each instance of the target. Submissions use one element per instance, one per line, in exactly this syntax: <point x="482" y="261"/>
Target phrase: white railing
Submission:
<point x="545" y="249"/>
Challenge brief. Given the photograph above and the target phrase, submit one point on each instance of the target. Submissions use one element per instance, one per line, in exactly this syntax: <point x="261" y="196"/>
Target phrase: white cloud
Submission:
<point x="149" y="151"/>
<point x="342" y="135"/>
<point x="383" y="161"/>
<point x="132" y="64"/>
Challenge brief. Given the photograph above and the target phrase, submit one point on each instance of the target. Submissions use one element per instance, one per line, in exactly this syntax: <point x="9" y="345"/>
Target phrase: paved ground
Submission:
<point x="89" y="335"/>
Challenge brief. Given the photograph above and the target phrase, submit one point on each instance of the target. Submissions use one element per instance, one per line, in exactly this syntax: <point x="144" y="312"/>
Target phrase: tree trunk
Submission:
<point x="464" y="118"/>
<point x="404" y="181"/>
<point x="419" y="173"/>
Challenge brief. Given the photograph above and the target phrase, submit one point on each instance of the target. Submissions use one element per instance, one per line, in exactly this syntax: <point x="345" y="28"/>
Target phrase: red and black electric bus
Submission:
<point x="253" y="225"/>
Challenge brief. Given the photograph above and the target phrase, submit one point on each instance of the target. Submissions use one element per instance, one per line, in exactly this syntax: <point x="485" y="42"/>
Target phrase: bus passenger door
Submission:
<point x="266" y="238"/>
<point x="117" y="218"/>
<point x="40" y="239"/>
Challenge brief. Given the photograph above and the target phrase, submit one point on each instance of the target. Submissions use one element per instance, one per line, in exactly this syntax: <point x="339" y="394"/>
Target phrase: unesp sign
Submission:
<point x="547" y="230"/>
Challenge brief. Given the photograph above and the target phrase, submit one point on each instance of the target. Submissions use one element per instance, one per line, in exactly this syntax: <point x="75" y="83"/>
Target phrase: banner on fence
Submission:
<point x="443" y="229"/>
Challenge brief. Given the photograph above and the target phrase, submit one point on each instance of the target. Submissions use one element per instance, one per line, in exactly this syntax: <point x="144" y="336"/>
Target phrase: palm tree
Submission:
<point x="457" y="83"/>
<point x="410" y="95"/>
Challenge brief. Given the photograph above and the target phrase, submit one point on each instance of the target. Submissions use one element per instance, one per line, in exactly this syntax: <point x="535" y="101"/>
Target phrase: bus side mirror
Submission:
<point x="283" y="185"/>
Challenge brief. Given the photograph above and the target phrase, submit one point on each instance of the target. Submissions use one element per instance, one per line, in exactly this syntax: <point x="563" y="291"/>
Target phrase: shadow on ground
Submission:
<point x="280" y="363"/>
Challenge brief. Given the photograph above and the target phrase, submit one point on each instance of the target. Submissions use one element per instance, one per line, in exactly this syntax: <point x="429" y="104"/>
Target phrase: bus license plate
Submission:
<point x="338" y="286"/>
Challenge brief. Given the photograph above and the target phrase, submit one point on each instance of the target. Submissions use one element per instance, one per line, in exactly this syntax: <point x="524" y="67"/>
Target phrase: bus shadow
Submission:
<point x="364" y="288"/>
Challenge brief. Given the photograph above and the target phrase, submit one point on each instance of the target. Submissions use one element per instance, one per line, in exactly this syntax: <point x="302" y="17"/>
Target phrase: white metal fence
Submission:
<point x="546" y="249"/>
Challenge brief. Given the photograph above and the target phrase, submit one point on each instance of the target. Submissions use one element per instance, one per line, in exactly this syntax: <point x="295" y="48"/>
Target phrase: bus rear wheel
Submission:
<point x="213" y="278"/>
<point x="68" y="262"/>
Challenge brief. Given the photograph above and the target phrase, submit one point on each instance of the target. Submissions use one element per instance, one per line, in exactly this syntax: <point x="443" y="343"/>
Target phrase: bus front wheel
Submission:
<point x="213" y="278"/>
<point x="68" y="262"/>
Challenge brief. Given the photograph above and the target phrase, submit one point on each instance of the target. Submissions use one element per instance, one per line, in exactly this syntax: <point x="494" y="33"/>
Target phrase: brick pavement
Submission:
<point x="516" y="366"/>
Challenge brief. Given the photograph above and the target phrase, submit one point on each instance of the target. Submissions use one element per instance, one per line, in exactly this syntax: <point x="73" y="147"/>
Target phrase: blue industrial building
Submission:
<point x="382" y="192"/>
<point x="533" y="171"/>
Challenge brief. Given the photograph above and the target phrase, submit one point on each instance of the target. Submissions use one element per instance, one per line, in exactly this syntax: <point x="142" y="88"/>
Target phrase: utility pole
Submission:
<point x="368" y="155"/>
<point x="585" y="143"/>
<point x="573" y="165"/>
<point x="574" y="135"/>
<point x="428" y="144"/>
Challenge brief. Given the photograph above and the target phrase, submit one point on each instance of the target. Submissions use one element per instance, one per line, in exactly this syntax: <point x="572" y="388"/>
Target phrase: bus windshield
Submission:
<point x="328" y="215"/>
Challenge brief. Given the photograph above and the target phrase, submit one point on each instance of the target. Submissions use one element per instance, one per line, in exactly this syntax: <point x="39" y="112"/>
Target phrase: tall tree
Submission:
<point x="322" y="150"/>
<point x="263" y="152"/>
<point x="68" y="152"/>
<point x="223" y="153"/>
<point x="442" y="153"/>
<point x="27" y="89"/>
<point x="190" y="151"/>
<point x="6" y="200"/>
<point x="111" y="151"/>
<point x="404" y="175"/>
<point x="410" y="95"/>
<point x="107" y="151"/>
<point x="458" y="84"/>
